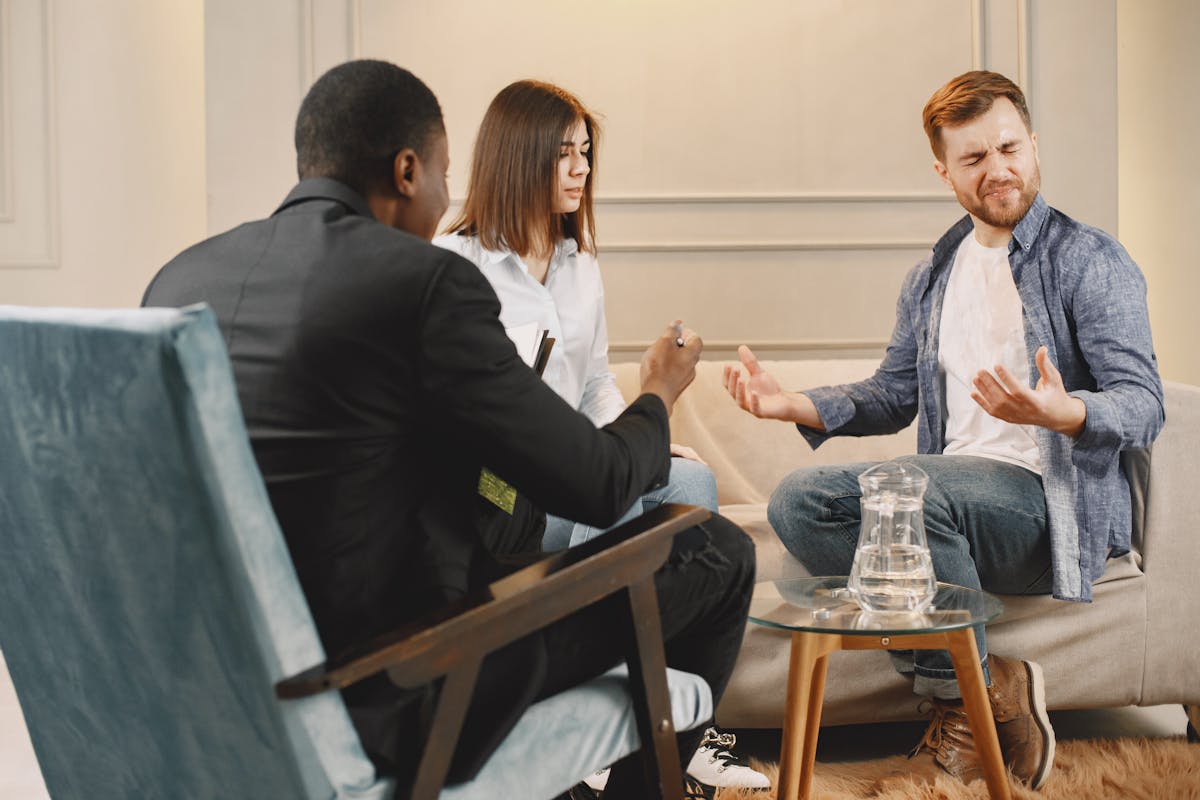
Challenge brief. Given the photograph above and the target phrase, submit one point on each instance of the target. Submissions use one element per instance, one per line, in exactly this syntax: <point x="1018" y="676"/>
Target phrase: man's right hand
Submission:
<point x="759" y="393"/>
<point x="667" y="368"/>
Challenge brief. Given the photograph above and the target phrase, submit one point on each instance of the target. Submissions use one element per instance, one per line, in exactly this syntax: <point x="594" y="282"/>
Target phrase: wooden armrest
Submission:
<point x="514" y="606"/>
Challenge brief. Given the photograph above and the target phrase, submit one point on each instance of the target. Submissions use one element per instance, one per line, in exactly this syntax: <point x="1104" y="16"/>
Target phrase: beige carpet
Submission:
<point x="1100" y="769"/>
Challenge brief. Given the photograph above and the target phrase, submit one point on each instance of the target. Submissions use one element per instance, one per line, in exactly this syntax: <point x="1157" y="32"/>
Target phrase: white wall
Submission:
<point x="103" y="129"/>
<point x="1158" y="55"/>
<point x="764" y="174"/>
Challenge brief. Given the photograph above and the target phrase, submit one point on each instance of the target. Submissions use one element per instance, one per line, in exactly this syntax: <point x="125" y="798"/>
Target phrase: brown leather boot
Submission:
<point x="1018" y="699"/>
<point x="947" y="745"/>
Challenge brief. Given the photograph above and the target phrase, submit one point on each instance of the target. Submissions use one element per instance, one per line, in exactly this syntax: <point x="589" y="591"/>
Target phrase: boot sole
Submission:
<point x="1037" y="704"/>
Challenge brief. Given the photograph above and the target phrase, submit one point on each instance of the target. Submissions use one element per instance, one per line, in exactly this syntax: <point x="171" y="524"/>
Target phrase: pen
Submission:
<point x="679" y="334"/>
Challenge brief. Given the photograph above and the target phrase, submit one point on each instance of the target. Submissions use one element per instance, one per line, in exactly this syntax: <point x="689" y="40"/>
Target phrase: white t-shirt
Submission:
<point x="982" y="325"/>
<point x="570" y="305"/>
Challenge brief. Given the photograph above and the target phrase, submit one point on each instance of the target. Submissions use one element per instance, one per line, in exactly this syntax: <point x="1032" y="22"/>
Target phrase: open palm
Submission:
<point x="756" y="390"/>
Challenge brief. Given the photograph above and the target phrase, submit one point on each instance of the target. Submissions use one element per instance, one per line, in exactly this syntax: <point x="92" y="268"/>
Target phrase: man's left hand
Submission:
<point x="1047" y="404"/>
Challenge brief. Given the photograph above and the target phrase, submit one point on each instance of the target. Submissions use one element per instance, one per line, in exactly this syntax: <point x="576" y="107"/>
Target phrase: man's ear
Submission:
<point x="406" y="171"/>
<point x="943" y="173"/>
<point x="1033" y="138"/>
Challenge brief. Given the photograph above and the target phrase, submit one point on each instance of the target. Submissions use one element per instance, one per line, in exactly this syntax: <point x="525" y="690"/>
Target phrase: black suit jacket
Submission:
<point x="376" y="380"/>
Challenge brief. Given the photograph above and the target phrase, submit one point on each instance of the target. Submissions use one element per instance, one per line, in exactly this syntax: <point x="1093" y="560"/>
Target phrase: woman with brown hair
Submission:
<point x="528" y="225"/>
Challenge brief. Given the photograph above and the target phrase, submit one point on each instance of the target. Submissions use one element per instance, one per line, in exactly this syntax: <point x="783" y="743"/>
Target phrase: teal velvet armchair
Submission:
<point x="156" y="634"/>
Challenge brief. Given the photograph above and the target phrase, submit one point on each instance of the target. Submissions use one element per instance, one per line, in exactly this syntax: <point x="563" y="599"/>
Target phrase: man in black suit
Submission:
<point x="376" y="381"/>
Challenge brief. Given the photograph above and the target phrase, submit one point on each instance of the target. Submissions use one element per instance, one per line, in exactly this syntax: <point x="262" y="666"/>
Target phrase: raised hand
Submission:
<point x="668" y="367"/>
<point x="758" y="392"/>
<point x="1047" y="404"/>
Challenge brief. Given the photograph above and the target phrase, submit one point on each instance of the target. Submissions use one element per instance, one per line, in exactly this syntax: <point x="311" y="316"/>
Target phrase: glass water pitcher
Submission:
<point x="892" y="569"/>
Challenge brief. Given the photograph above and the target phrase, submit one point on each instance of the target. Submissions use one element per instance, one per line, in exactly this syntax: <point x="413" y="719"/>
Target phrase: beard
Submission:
<point x="1006" y="213"/>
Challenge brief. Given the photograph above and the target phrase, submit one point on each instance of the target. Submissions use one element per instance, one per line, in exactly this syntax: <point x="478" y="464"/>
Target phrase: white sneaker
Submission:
<point x="597" y="780"/>
<point x="716" y="765"/>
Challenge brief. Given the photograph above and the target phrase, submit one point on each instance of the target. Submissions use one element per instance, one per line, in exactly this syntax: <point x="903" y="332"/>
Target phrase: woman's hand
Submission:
<point x="683" y="451"/>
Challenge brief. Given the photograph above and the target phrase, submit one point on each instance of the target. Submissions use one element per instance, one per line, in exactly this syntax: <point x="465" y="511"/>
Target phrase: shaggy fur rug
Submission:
<point x="1100" y="769"/>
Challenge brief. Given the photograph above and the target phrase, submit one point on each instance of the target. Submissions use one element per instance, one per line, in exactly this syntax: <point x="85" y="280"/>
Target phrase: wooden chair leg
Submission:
<point x="448" y="719"/>
<point x="1193" y="725"/>
<point x="651" y="699"/>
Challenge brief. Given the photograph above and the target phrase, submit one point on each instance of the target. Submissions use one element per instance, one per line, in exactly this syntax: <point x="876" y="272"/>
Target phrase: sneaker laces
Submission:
<point x="697" y="790"/>
<point x="721" y="745"/>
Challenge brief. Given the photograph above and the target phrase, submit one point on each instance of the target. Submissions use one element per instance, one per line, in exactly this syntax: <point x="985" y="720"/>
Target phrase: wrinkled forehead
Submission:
<point x="1000" y="125"/>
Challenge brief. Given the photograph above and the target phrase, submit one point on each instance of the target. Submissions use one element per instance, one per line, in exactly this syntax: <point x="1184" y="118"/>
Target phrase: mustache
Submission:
<point x="1008" y="184"/>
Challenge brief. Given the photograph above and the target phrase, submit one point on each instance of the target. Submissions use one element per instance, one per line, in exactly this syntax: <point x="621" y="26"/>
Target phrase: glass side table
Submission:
<point x="823" y="618"/>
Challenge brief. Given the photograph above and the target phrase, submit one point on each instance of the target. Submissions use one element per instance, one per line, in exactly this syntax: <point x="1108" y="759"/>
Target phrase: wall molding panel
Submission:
<point x="785" y="175"/>
<point x="6" y="162"/>
<point x="30" y="223"/>
<point x="330" y="33"/>
<point x="774" y="197"/>
<point x="778" y="349"/>
<point x="763" y="247"/>
<point x="762" y="170"/>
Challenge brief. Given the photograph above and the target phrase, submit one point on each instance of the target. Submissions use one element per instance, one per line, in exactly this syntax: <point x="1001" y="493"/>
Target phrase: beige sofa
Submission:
<point x="1134" y="645"/>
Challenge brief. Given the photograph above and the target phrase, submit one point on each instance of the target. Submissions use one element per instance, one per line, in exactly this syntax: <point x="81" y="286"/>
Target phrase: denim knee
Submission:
<point x="693" y="483"/>
<point x="690" y="482"/>
<point x="815" y="513"/>
<point x="781" y="509"/>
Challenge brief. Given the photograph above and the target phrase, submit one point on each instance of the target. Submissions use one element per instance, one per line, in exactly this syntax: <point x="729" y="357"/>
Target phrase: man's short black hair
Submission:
<point x="357" y="116"/>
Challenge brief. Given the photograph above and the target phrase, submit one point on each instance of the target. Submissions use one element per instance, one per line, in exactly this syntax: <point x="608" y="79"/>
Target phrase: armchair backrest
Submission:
<point x="148" y="604"/>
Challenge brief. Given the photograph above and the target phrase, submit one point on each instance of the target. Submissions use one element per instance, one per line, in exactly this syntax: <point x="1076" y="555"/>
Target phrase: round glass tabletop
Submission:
<point x="824" y="605"/>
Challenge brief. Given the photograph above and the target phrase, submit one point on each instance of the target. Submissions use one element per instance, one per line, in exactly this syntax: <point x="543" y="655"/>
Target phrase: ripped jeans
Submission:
<point x="703" y="598"/>
<point x="985" y="521"/>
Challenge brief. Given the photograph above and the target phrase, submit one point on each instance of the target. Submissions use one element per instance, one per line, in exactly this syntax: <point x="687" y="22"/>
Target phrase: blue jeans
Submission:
<point x="985" y="521"/>
<point x="691" y="482"/>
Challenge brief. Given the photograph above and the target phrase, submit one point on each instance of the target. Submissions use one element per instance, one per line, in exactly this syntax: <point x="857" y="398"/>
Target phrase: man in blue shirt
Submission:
<point x="1022" y="346"/>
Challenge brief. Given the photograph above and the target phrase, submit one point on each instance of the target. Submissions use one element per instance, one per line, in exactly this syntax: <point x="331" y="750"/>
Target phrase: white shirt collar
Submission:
<point x="565" y="248"/>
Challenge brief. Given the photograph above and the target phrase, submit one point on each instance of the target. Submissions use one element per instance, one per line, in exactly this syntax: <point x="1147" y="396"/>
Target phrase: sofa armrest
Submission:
<point x="1170" y="550"/>
<point x="1171" y="545"/>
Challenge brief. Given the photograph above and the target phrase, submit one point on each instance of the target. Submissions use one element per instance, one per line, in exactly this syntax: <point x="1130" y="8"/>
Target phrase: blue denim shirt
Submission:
<point x="1085" y="299"/>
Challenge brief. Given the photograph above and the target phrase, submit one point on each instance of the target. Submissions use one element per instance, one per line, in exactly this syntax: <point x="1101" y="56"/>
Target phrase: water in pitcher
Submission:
<point x="892" y="569"/>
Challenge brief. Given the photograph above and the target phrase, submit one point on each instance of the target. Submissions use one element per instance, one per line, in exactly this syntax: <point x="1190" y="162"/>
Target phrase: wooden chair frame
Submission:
<point x="453" y="641"/>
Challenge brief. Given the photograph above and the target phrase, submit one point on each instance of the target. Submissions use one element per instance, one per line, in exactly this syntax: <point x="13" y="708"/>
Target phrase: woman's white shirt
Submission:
<point x="570" y="306"/>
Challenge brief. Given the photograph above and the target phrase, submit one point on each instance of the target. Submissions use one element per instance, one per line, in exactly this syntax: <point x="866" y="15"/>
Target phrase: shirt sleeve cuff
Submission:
<point x="835" y="409"/>
<point x="1097" y="445"/>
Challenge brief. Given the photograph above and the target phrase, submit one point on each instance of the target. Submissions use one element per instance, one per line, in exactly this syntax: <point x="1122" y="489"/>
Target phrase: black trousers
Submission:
<point x="703" y="597"/>
<point x="704" y="593"/>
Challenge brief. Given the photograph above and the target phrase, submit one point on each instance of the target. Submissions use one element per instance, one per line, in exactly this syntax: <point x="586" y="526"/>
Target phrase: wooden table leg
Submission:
<point x="965" y="655"/>
<point x="802" y="714"/>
